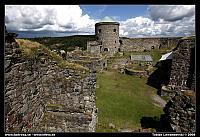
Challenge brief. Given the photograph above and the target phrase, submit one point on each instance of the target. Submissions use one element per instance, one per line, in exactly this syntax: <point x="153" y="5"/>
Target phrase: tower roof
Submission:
<point x="107" y="19"/>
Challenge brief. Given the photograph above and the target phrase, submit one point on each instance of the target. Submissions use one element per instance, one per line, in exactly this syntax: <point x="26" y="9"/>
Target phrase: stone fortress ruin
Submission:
<point x="181" y="73"/>
<point x="108" y="40"/>
<point x="107" y="37"/>
<point x="71" y="106"/>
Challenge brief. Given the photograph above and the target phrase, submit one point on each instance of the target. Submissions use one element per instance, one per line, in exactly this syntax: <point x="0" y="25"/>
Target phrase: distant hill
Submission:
<point x="67" y="43"/>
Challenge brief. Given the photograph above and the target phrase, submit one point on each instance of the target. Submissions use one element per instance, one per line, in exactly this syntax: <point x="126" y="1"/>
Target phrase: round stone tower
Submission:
<point x="107" y="34"/>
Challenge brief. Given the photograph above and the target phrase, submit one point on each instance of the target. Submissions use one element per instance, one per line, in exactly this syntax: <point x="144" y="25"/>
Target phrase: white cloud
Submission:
<point x="47" y="17"/>
<point x="165" y="21"/>
<point x="145" y="27"/>
<point x="171" y="12"/>
<point x="162" y="21"/>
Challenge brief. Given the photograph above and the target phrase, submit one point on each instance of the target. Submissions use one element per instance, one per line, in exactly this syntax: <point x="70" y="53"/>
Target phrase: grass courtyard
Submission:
<point x="123" y="100"/>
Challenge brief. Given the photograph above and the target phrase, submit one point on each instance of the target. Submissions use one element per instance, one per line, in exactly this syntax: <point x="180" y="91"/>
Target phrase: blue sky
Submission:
<point x="119" y="12"/>
<point x="135" y="20"/>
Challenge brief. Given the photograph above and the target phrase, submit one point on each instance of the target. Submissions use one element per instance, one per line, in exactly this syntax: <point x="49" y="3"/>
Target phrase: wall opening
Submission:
<point x="119" y="50"/>
<point x="105" y="49"/>
<point x="114" y="30"/>
<point x="99" y="31"/>
<point x="100" y="48"/>
<point x="152" y="47"/>
<point x="120" y="41"/>
<point x="160" y="46"/>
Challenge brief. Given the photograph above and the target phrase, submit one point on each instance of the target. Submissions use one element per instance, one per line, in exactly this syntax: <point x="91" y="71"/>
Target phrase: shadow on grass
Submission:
<point x="161" y="75"/>
<point x="150" y="122"/>
<point x="159" y="124"/>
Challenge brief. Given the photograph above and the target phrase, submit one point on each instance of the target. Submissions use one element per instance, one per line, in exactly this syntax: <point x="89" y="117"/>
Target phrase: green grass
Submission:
<point x="30" y="50"/>
<point x="123" y="100"/>
<point x="188" y="37"/>
<point x="68" y="43"/>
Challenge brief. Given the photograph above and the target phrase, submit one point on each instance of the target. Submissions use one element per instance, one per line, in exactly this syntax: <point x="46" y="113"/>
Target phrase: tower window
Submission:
<point x="100" y="48"/>
<point x="114" y="30"/>
<point x="115" y="41"/>
<point x="99" y="30"/>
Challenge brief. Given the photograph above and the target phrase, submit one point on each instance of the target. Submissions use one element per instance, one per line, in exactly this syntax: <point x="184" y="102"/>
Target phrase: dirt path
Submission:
<point x="159" y="101"/>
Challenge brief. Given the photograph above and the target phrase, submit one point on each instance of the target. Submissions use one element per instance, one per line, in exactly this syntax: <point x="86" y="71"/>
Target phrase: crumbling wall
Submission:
<point x="40" y="96"/>
<point x="182" y="70"/>
<point x="93" y="47"/>
<point x="141" y="44"/>
<point x="94" y="63"/>
<point x="181" y="107"/>
<point x="180" y="112"/>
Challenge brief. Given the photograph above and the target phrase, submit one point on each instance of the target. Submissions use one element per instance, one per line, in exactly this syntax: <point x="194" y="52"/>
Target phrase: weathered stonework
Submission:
<point x="93" y="47"/>
<point x="40" y="96"/>
<point x="180" y="112"/>
<point x="108" y="41"/>
<point x="141" y="44"/>
<point x="107" y="34"/>
<point x="183" y="66"/>
<point x="107" y="38"/>
<point x="94" y="63"/>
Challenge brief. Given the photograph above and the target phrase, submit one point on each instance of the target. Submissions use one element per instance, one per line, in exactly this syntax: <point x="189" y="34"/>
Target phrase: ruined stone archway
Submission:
<point x="105" y="49"/>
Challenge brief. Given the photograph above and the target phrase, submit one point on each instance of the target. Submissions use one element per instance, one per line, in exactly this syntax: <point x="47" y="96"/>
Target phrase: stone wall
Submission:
<point x="182" y="70"/>
<point x="94" y="62"/>
<point x="93" y="47"/>
<point x="96" y="65"/>
<point x="40" y="96"/>
<point x="107" y="34"/>
<point x="180" y="112"/>
<point x="141" y="44"/>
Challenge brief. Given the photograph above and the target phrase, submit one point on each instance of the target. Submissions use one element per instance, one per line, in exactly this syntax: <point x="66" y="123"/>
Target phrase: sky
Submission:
<point x="135" y="20"/>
